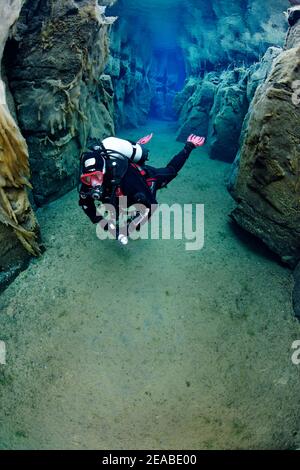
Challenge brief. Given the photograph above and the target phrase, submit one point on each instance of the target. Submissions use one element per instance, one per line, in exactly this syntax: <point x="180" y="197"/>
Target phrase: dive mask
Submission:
<point x="93" y="179"/>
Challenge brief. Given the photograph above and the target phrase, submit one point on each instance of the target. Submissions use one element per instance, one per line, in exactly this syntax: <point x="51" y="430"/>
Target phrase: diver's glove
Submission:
<point x="97" y="219"/>
<point x="196" y="140"/>
<point x="145" y="140"/>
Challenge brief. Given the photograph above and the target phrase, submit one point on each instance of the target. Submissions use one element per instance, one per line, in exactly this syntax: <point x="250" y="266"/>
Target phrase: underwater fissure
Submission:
<point x="128" y="63"/>
<point x="172" y="348"/>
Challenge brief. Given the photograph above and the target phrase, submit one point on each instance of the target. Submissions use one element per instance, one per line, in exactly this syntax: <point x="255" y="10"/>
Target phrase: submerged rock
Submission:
<point x="129" y="66"/>
<point x="151" y="57"/>
<point x="293" y="36"/>
<point x="215" y="106"/>
<point x="146" y="76"/>
<point x="221" y="32"/>
<point x="194" y="104"/>
<point x="259" y="72"/>
<point x="256" y="77"/>
<point x="267" y="188"/>
<point x="54" y="62"/>
<point x="18" y="226"/>
<point x="227" y="115"/>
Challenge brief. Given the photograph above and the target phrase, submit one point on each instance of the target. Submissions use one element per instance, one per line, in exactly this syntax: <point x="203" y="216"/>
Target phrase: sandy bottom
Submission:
<point x="150" y="346"/>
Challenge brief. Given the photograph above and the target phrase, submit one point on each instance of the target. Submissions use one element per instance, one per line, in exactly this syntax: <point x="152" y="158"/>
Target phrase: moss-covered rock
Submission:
<point x="194" y="104"/>
<point x="227" y="114"/>
<point x="54" y="63"/>
<point x="18" y="226"/>
<point x="268" y="183"/>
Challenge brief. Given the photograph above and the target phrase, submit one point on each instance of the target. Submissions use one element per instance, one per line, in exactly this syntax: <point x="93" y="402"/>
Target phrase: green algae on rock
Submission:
<point x="54" y="61"/>
<point x="267" y="187"/>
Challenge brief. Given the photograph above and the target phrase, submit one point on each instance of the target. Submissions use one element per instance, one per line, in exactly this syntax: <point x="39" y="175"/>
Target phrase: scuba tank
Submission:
<point x="134" y="152"/>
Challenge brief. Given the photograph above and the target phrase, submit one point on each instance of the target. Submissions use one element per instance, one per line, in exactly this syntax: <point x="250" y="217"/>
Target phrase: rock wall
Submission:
<point x="129" y="66"/>
<point x="216" y="106"/>
<point x="227" y="114"/>
<point x="146" y="76"/>
<point x="156" y="45"/>
<point x="18" y="226"/>
<point x="267" y="188"/>
<point x="243" y="30"/>
<point x="54" y="62"/>
<point x="257" y="74"/>
<point x="193" y="105"/>
<point x="53" y="89"/>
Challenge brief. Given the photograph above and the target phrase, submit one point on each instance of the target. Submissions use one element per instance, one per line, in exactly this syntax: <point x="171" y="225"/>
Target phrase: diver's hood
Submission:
<point x="93" y="170"/>
<point x="134" y="152"/>
<point x="91" y="162"/>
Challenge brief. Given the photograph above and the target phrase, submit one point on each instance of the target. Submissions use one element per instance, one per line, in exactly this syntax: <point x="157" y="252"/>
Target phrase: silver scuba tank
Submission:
<point x="133" y="152"/>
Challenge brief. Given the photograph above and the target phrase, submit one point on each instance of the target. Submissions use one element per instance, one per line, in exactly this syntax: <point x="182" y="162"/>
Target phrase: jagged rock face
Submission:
<point x="194" y="104"/>
<point x="268" y="183"/>
<point x="129" y="66"/>
<point x="54" y="64"/>
<point x="257" y="74"/>
<point x="259" y="71"/>
<point x="243" y="30"/>
<point x="217" y="104"/>
<point x="293" y="37"/>
<point x="144" y="76"/>
<point x="227" y="115"/>
<point x="18" y="226"/>
<point x="147" y="71"/>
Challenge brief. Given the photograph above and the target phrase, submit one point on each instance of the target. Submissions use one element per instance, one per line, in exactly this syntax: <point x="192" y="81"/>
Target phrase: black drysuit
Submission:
<point x="137" y="187"/>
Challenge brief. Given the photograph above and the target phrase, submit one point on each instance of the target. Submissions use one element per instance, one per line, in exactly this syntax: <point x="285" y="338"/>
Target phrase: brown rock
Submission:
<point x="293" y="36"/>
<point x="18" y="226"/>
<point x="268" y="184"/>
<point x="54" y="63"/>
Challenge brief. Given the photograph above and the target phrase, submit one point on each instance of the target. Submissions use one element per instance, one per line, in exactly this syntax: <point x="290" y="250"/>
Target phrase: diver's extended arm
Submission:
<point x="179" y="160"/>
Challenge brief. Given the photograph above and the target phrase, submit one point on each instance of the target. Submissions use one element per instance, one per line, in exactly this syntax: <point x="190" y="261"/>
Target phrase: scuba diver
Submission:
<point x="114" y="168"/>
